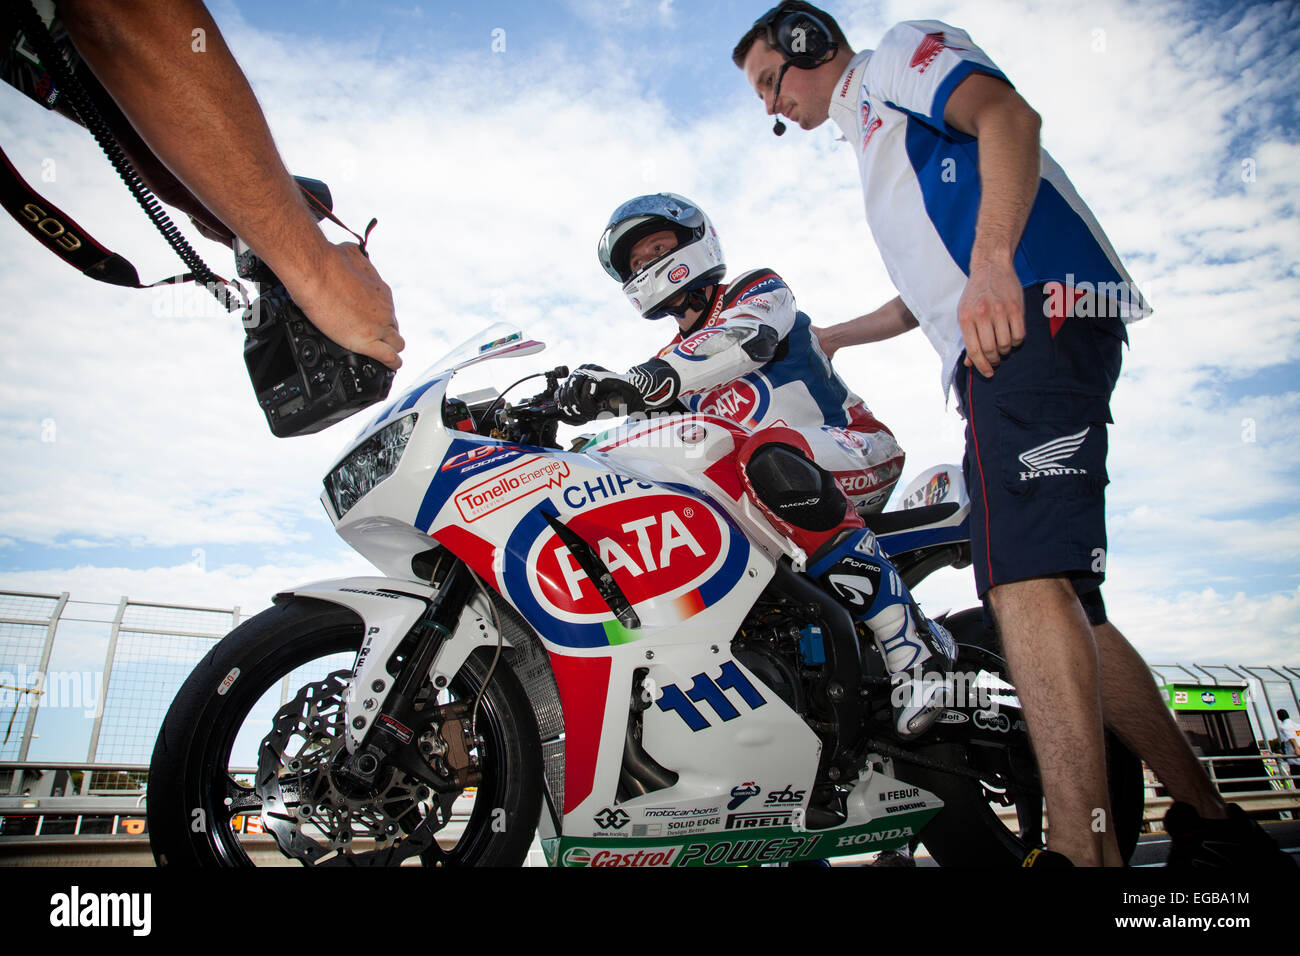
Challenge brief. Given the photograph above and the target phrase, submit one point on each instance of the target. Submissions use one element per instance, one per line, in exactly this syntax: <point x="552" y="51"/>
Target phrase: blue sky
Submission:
<point x="135" y="462"/>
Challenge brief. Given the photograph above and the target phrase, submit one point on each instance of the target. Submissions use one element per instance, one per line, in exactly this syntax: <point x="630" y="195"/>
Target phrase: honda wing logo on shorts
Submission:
<point x="1045" y="460"/>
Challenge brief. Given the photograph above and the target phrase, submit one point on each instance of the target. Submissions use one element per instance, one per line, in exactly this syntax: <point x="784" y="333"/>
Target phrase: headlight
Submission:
<point x="370" y="463"/>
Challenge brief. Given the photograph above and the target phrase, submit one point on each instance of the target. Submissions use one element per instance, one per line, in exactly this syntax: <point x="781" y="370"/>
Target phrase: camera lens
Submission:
<point x="309" y="353"/>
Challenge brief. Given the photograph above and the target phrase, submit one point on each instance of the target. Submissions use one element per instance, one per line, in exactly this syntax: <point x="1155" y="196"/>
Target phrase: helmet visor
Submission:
<point x="638" y="217"/>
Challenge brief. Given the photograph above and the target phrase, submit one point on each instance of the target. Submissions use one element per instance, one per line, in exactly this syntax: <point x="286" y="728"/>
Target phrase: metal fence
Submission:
<point x="151" y="648"/>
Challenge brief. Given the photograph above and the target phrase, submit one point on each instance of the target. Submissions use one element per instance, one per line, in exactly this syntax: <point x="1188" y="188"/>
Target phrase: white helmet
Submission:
<point x="694" y="263"/>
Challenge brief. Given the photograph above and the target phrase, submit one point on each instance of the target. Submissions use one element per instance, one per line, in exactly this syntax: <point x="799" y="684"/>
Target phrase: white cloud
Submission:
<point x="492" y="175"/>
<point x="247" y="587"/>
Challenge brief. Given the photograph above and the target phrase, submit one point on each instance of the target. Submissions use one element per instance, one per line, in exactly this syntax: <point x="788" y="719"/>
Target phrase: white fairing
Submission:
<point x="388" y="610"/>
<point x="662" y="505"/>
<point x="935" y="486"/>
<point x="683" y="449"/>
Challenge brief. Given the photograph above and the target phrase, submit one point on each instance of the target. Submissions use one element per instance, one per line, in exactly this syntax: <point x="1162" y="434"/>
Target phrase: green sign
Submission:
<point x="1202" y="697"/>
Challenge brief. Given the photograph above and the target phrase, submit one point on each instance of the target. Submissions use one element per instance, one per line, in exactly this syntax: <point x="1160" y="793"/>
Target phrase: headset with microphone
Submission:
<point x="801" y="37"/>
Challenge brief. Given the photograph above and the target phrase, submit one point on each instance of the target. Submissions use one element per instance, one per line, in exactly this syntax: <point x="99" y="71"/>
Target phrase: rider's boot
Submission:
<point x="805" y="503"/>
<point x="858" y="573"/>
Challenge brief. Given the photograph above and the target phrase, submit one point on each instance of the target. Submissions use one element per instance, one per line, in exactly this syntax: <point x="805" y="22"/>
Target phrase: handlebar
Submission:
<point x="534" y="421"/>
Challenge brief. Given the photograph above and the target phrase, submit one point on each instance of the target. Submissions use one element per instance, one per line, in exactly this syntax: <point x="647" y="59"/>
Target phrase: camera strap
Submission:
<point x="57" y="231"/>
<point x="62" y="235"/>
<point x="48" y="78"/>
<point x="322" y="211"/>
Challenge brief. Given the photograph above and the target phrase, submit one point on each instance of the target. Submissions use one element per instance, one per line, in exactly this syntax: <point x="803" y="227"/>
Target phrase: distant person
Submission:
<point x="1288" y="734"/>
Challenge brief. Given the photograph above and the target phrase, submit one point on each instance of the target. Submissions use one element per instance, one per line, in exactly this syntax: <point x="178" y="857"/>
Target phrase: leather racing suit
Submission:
<point x="753" y="358"/>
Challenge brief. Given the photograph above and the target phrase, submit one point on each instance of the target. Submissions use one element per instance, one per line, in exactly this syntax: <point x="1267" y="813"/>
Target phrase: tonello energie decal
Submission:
<point x="505" y="487"/>
<point x="656" y="545"/>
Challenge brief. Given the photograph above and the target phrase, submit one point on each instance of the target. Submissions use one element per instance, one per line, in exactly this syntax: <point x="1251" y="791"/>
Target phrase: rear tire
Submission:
<point x="193" y="796"/>
<point x="967" y="831"/>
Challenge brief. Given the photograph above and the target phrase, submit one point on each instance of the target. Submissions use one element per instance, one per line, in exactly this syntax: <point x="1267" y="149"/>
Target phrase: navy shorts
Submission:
<point x="1035" y="461"/>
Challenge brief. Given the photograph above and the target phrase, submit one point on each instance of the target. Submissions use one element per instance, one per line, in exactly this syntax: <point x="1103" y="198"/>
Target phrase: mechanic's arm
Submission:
<point x="991" y="312"/>
<point x="196" y="111"/>
<point x="892" y="318"/>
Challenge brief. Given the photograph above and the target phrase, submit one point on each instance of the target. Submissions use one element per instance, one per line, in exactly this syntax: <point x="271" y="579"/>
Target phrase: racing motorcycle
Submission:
<point x="610" y="648"/>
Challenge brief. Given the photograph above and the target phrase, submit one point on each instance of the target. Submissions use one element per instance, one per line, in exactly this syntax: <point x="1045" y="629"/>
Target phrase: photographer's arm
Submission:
<point x="892" y="318"/>
<point x="192" y="105"/>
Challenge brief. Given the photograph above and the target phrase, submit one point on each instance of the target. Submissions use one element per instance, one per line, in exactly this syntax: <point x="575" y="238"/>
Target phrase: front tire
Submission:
<point x="194" y="795"/>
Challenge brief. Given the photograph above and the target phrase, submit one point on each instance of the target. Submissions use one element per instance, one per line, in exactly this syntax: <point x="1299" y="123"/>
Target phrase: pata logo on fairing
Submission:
<point x="653" y="545"/>
<point x="1044" y="461"/>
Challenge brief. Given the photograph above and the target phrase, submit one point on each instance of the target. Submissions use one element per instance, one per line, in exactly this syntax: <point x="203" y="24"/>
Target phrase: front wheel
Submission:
<point x="968" y="830"/>
<point x="262" y="715"/>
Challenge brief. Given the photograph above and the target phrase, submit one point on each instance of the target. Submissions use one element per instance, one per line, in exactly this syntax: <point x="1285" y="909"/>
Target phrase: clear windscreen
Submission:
<point x="499" y="338"/>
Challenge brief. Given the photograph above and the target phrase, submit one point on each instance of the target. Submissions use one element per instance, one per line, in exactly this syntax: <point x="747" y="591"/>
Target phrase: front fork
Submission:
<point x="413" y="633"/>
<point x="392" y="733"/>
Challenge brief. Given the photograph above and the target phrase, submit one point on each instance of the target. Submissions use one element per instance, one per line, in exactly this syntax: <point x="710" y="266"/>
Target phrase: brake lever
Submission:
<point x="553" y="378"/>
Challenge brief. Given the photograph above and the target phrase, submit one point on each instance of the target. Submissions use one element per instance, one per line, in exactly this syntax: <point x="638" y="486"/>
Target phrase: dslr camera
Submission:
<point x="303" y="381"/>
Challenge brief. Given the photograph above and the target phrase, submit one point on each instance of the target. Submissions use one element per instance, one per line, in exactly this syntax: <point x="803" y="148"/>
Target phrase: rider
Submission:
<point x="744" y="352"/>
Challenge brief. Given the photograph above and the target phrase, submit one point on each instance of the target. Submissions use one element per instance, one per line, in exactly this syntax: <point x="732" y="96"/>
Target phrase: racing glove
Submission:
<point x="591" y="390"/>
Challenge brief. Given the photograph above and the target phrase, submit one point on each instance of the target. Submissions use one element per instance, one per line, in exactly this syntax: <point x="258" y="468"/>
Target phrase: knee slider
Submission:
<point x="797" y="490"/>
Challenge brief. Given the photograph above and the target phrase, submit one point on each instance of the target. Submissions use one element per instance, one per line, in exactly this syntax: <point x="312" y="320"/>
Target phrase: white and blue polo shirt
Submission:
<point x="921" y="185"/>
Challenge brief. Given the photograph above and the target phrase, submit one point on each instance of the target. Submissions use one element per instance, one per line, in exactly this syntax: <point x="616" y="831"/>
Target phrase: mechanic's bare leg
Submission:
<point x="1054" y="663"/>
<point x="1133" y="709"/>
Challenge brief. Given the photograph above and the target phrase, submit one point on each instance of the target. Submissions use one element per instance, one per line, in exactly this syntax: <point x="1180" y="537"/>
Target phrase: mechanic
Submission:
<point x="1288" y="735"/>
<point x="175" y="99"/>
<point x="1002" y="265"/>
<point x="744" y="352"/>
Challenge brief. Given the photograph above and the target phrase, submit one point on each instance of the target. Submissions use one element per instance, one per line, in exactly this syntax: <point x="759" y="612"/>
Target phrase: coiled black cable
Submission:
<point x="53" y="61"/>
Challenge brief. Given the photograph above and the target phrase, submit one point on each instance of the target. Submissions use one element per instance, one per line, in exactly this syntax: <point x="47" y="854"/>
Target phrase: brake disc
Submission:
<point x="311" y="814"/>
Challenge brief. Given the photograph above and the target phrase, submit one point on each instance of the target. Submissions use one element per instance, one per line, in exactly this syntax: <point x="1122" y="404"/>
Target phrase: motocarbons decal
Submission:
<point x="744" y="845"/>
